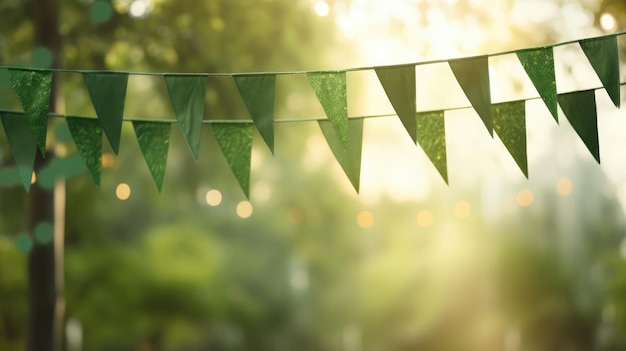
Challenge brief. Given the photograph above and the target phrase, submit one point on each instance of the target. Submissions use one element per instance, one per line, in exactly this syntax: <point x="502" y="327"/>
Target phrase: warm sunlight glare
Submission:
<point x="244" y="209"/>
<point x="213" y="197"/>
<point x="122" y="191"/>
<point x="608" y="23"/>
<point x="321" y="8"/>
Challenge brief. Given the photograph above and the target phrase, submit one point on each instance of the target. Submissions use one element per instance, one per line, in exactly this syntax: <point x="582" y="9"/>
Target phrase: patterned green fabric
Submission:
<point x="399" y="84"/>
<point x="539" y="65"/>
<point x="154" y="141"/>
<point x="330" y="89"/>
<point x="431" y="136"/>
<point x="235" y="140"/>
<point x="473" y="77"/>
<point x="603" y="54"/>
<point x="87" y="135"/>
<point x="108" y="94"/>
<point x="187" y="95"/>
<point x="33" y="89"/>
<point x="257" y="92"/>
<point x="509" y="121"/>
<point x="350" y="159"/>
<point x="22" y="142"/>
<point x="580" y="109"/>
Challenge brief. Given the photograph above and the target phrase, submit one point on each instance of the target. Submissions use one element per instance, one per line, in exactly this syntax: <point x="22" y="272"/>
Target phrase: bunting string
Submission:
<point x="26" y="130"/>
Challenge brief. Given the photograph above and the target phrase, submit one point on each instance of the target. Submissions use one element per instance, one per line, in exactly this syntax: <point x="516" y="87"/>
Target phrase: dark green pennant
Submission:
<point x="330" y="89"/>
<point x="350" y="159"/>
<point x="23" y="144"/>
<point x="257" y="92"/>
<point x="235" y="140"/>
<point x="431" y="136"/>
<point x="399" y="84"/>
<point x="603" y="54"/>
<point x="580" y="109"/>
<point x="33" y="90"/>
<point x="87" y="135"/>
<point x="473" y="76"/>
<point x="154" y="141"/>
<point x="539" y="65"/>
<point x="187" y="93"/>
<point x="509" y="121"/>
<point x="108" y="94"/>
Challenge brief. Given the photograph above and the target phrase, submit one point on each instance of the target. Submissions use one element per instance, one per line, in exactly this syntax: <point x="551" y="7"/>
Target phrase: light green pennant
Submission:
<point x="539" y="65"/>
<point x="87" y="135"/>
<point x="509" y="121"/>
<point x="257" y="92"/>
<point x="235" y="140"/>
<point x="473" y="76"/>
<point x="33" y="90"/>
<point x="23" y="144"/>
<point x="108" y="94"/>
<point x="431" y="136"/>
<point x="350" y="159"/>
<point x="330" y="89"/>
<point x="154" y="141"/>
<point x="580" y="109"/>
<point x="399" y="84"/>
<point x="603" y="54"/>
<point x="187" y="93"/>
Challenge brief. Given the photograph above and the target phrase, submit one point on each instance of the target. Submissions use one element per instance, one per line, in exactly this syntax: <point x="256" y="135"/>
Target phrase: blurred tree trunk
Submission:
<point x="42" y="289"/>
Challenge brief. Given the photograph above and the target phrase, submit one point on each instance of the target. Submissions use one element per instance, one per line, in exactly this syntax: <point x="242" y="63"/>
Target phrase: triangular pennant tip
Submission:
<point x="22" y="143"/>
<point x="431" y="136"/>
<point x="350" y="159"/>
<point x="87" y="135"/>
<point x="330" y="89"/>
<point x="257" y="92"/>
<point x="580" y="109"/>
<point x="235" y="141"/>
<point x="509" y="121"/>
<point x="472" y="74"/>
<point x="154" y="140"/>
<point x="399" y="85"/>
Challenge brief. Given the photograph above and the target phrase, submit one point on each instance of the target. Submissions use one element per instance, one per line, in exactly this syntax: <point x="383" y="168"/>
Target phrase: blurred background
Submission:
<point x="491" y="262"/>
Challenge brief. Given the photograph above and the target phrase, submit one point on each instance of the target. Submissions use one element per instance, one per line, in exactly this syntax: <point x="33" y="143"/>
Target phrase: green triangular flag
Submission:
<point x="108" y="94"/>
<point x="399" y="84"/>
<point x="509" y="121"/>
<point x="257" y="92"/>
<point x="235" y="140"/>
<point x="187" y="93"/>
<point x="431" y="136"/>
<point x="539" y="65"/>
<point x="23" y="144"/>
<point x="580" y="109"/>
<point x="154" y="142"/>
<point x="33" y="89"/>
<point x="350" y="159"/>
<point x="87" y="135"/>
<point x="473" y="77"/>
<point x="603" y="55"/>
<point x="330" y="89"/>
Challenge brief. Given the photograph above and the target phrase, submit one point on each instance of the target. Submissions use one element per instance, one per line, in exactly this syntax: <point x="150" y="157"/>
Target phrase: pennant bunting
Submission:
<point x="509" y="121"/>
<point x="107" y="91"/>
<point x="431" y="136"/>
<point x="235" y="140"/>
<point x="187" y="93"/>
<point x="330" y="89"/>
<point x="473" y="77"/>
<point x="257" y="92"/>
<point x="350" y="159"/>
<point x="399" y="84"/>
<point x="33" y="90"/>
<point x="580" y="109"/>
<point x="539" y="65"/>
<point x="154" y="141"/>
<point x="23" y="144"/>
<point x="603" y="56"/>
<point x="87" y="135"/>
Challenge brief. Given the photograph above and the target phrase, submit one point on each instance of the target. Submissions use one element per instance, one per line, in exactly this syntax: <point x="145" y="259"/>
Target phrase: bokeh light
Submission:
<point x="244" y="209"/>
<point x="122" y="191"/>
<point x="213" y="197"/>
<point x="425" y="218"/>
<point x="44" y="232"/>
<point x="462" y="209"/>
<point x="33" y="178"/>
<point x="607" y="22"/>
<point x="101" y="11"/>
<point x="107" y="160"/>
<point x="365" y="219"/>
<point x="564" y="186"/>
<point x="525" y="197"/>
<point x="42" y="57"/>
<point x="24" y="242"/>
<point x="321" y="8"/>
